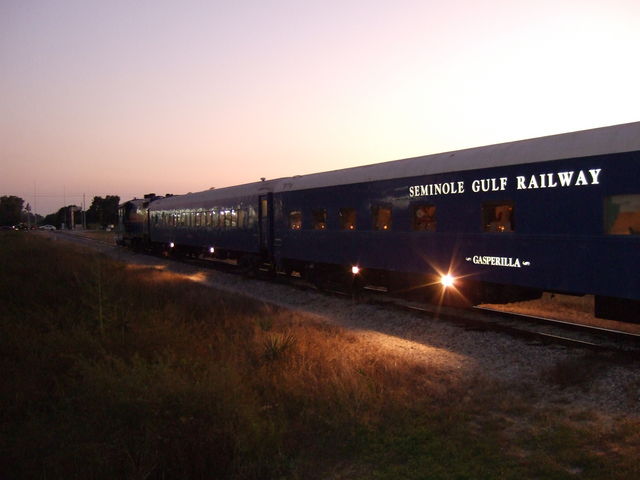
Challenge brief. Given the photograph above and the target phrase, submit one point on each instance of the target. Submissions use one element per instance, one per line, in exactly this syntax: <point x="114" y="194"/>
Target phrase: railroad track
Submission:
<point x="544" y="331"/>
<point x="533" y="329"/>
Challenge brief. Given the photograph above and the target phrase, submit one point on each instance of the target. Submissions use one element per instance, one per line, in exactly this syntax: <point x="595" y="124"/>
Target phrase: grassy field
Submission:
<point x="115" y="371"/>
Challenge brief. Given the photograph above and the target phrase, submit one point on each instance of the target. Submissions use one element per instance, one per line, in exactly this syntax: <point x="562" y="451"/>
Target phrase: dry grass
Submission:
<point x="113" y="371"/>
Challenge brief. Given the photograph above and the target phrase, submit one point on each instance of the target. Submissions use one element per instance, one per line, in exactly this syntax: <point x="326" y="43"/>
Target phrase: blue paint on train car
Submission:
<point x="554" y="240"/>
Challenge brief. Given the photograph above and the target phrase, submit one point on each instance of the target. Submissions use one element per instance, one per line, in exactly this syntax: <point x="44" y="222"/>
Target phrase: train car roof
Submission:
<point x="135" y="201"/>
<point x="585" y="143"/>
<point x="215" y="196"/>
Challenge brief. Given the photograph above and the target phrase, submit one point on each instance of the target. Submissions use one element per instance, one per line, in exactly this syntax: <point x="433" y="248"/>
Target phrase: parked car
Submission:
<point x="47" y="227"/>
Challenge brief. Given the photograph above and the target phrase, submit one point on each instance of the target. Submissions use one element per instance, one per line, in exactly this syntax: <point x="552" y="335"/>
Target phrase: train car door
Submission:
<point x="266" y="224"/>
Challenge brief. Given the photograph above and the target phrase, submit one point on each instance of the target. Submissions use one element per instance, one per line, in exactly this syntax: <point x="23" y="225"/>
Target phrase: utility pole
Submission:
<point x="35" y="205"/>
<point x="64" y="197"/>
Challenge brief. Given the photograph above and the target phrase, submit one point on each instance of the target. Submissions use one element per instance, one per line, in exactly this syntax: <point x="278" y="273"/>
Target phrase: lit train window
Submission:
<point x="498" y="217"/>
<point x="252" y="217"/>
<point x="242" y="218"/>
<point x="347" y="218"/>
<point x="622" y="215"/>
<point x="381" y="217"/>
<point x="214" y="218"/>
<point x="228" y="218"/>
<point x="319" y="219"/>
<point x="424" y="218"/>
<point x="295" y="220"/>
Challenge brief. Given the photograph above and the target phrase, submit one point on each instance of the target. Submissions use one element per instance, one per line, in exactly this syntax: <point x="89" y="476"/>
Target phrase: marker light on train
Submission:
<point x="211" y="249"/>
<point x="447" y="280"/>
<point x="355" y="270"/>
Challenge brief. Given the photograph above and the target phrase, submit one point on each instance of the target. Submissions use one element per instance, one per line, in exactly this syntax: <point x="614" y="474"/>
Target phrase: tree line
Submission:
<point x="102" y="212"/>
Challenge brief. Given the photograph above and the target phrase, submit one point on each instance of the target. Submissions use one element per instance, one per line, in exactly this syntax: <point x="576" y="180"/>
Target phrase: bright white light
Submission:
<point x="447" y="280"/>
<point x="211" y="249"/>
<point x="171" y="244"/>
<point x="355" y="270"/>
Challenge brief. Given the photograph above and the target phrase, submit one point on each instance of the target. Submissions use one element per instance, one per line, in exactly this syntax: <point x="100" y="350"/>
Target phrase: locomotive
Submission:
<point x="495" y="223"/>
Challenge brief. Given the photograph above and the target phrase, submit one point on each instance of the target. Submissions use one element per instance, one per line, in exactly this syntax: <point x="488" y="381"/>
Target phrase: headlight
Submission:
<point x="355" y="270"/>
<point x="447" y="280"/>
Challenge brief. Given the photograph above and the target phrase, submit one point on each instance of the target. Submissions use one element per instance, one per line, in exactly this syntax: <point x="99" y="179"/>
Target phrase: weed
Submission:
<point x="276" y="346"/>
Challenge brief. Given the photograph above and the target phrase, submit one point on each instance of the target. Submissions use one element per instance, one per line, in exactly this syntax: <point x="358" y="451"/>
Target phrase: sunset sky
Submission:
<point x="131" y="97"/>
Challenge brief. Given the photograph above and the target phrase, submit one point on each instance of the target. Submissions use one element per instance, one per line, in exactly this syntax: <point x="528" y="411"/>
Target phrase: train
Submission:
<point x="496" y="223"/>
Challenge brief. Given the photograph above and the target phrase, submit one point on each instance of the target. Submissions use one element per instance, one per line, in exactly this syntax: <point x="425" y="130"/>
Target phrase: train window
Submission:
<point x="319" y="218"/>
<point x="214" y="217"/>
<point x="424" y="218"/>
<point x="381" y="217"/>
<point x="228" y="220"/>
<point x="295" y="220"/>
<point x="347" y="218"/>
<point x="498" y="217"/>
<point x="242" y="218"/>
<point x="252" y="217"/>
<point x="622" y="214"/>
<point x="264" y="207"/>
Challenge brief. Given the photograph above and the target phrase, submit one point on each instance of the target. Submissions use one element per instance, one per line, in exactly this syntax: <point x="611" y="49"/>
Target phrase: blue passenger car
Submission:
<point x="558" y="213"/>
<point x="228" y="223"/>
